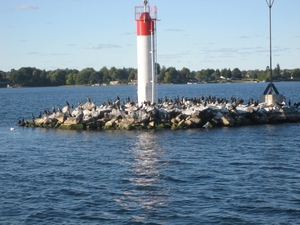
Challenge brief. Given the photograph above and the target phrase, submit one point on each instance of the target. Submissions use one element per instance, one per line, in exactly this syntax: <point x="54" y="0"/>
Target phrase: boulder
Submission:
<point x="70" y="121"/>
<point x="60" y="117"/>
<point x="228" y="120"/>
<point x="195" y="120"/>
<point x="291" y="114"/>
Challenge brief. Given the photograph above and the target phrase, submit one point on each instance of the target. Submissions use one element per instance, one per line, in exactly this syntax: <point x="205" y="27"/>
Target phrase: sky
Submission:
<point x="196" y="34"/>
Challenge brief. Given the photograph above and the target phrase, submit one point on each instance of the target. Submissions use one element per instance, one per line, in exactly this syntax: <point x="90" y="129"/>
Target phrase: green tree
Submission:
<point x="132" y="74"/>
<point x="199" y="76"/>
<point x="172" y="75"/>
<point x="295" y="74"/>
<point x="105" y="74"/>
<point x="58" y="77"/>
<point x="35" y="78"/>
<point x="228" y="73"/>
<point x="157" y="66"/>
<point x="192" y="74"/>
<point x="122" y="74"/>
<point x="263" y="75"/>
<point x="22" y="76"/>
<point x="208" y="73"/>
<point x="255" y="73"/>
<point x="167" y="77"/>
<point x="161" y="75"/>
<point x="3" y="79"/>
<point x="224" y="73"/>
<point x="277" y="72"/>
<point x="71" y="80"/>
<point x="286" y="74"/>
<point x="185" y="75"/>
<point x="244" y="73"/>
<point x="84" y="76"/>
<point x="216" y="75"/>
<point x="236" y="73"/>
<point x="12" y="76"/>
<point x="43" y="78"/>
<point x="1" y="76"/>
<point x="95" y="78"/>
<point x="267" y="74"/>
<point x="113" y="73"/>
<point x="71" y="77"/>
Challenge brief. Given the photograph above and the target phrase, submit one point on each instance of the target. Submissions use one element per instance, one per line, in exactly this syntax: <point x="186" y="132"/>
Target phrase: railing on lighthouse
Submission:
<point x="152" y="10"/>
<point x="154" y="60"/>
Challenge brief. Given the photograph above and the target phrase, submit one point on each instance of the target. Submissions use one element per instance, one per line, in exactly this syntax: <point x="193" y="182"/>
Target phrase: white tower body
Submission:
<point x="145" y="17"/>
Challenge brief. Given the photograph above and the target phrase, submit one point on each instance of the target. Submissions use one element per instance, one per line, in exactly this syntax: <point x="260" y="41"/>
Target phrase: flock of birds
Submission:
<point x="90" y="109"/>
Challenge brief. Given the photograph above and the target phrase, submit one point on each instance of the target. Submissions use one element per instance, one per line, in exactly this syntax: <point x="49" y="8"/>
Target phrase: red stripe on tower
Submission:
<point x="145" y="24"/>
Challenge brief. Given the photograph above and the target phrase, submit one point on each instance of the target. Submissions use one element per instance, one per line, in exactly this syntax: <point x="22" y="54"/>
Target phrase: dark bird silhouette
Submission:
<point x="53" y="109"/>
<point x="32" y="117"/>
<point x="59" y="109"/>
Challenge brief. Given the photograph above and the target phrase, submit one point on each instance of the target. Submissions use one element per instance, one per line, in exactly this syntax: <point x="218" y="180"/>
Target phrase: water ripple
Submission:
<point x="245" y="175"/>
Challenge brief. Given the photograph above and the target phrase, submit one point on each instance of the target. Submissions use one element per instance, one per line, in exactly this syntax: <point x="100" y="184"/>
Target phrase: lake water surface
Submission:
<point x="242" y="175"/>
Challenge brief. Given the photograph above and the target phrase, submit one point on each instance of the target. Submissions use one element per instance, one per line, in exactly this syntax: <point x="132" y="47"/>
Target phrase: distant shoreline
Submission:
<point x="123" y="84"/>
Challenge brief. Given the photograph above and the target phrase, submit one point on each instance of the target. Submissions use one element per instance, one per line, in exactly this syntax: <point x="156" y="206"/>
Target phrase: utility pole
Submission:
<point x="271" y="86"/>
<point x="268" y="98"/>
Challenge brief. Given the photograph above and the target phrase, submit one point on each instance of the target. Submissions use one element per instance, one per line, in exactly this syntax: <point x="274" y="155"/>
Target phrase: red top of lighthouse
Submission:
<point x="145" y="24"/>
<point x="145" y="17"/>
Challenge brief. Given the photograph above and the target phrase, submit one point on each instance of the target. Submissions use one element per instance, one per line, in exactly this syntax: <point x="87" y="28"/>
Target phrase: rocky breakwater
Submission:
<point x="183" y="113"/>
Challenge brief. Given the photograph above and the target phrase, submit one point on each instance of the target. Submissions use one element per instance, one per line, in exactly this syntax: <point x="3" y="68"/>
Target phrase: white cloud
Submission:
<point x="59" y="54"/>
<point x="226" y="50"/>
<point x="280" y="49"/>
<point x="169" y="56"/>
<point x="174" y="30"/>
<point x="34" y="53"/>
<point x="129" y="33"/>
<point x="103" y="46"/>
<point x="244" y="37"/>
<point x="25" y="7"/>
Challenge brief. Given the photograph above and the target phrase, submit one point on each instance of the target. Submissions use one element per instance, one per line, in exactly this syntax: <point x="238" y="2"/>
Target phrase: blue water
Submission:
<point x="243" y="175"/>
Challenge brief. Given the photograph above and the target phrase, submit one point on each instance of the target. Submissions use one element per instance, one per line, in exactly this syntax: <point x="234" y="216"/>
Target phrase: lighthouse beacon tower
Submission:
<point x="145" y="17"/>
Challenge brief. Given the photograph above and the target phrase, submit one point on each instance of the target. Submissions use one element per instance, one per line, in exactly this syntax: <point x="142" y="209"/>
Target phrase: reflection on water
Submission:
<point x="146" y="190"/>
<point x="146" y="156"/>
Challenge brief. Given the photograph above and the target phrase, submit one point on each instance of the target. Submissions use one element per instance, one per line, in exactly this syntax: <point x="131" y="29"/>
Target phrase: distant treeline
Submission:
<point x="33" y="77"/>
